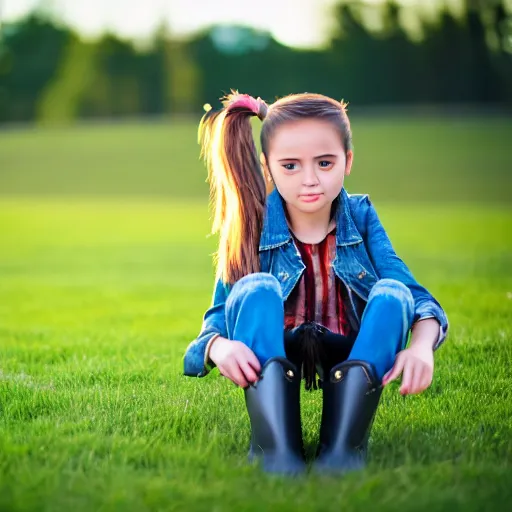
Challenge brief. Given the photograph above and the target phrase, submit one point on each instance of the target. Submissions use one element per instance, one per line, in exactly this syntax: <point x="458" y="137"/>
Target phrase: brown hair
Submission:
<point x="237" y="184"/>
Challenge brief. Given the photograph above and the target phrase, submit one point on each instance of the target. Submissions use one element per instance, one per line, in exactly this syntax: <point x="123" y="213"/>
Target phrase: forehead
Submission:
<point x="305" y="137"/>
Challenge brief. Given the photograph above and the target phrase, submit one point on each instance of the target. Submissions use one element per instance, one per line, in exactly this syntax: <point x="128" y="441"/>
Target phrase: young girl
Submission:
<point x="307" y="283"/>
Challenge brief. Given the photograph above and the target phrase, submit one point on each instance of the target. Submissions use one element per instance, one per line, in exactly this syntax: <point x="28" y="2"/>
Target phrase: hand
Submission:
<point x="235" y="360"/>
<point x="417" y="364"/>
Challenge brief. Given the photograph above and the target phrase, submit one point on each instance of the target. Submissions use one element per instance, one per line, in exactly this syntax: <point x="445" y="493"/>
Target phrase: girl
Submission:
<point x="307" y="283"/>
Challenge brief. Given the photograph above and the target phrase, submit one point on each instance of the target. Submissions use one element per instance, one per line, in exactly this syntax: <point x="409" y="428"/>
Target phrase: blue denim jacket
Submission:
<point x="364" y="255"/>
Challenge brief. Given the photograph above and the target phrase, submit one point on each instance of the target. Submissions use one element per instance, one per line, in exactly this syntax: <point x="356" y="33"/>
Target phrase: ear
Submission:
<point x="264" y="166"/>
<point x="348" y="163"/>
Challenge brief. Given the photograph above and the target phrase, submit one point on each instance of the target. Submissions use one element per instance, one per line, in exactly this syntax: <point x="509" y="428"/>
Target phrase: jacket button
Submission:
<point x="361" y="274"/>
<point x="283" y="276"/>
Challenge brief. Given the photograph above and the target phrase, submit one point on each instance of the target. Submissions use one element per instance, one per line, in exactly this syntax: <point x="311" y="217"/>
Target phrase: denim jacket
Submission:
<point x="364" y="255"/>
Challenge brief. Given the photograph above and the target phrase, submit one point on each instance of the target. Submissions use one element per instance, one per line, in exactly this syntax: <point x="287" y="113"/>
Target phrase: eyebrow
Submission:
<point x="316" y="157"/>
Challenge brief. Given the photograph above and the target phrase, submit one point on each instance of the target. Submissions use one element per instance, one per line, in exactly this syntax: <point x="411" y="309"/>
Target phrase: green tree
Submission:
<point x="30" y="55"/>
<point x="64" y="95"/>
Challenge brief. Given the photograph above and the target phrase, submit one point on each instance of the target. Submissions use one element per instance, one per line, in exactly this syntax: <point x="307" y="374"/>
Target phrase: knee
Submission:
<point x="394" y="289"/>
<point x="259" y="284"/>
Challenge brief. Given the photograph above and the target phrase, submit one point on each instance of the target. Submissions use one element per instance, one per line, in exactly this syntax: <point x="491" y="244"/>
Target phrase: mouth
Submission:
<point x="309" y="198"/>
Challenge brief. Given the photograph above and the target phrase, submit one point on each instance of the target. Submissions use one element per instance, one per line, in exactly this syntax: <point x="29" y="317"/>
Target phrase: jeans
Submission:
<point x="255" y="316"/>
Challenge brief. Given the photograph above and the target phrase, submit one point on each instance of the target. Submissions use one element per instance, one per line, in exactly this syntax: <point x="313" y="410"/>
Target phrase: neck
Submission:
<point x="312" y="227"/>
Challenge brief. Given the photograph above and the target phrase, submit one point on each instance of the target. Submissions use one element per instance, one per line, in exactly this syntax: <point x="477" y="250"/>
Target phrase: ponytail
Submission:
<point x="237" y="185"/>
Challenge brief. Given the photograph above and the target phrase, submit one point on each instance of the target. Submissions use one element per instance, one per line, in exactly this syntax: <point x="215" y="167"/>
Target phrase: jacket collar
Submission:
<point x="276" y="232"/>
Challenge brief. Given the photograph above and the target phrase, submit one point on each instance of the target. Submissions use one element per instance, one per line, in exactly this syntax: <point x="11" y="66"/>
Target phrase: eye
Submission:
<point x="290" y="167"/>
<point x="325" y="164"/>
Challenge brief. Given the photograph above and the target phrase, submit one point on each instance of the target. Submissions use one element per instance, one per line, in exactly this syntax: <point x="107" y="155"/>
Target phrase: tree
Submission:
<point x="30" y="55"/>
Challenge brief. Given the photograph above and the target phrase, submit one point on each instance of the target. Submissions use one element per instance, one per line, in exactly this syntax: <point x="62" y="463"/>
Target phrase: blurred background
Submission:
<point x="104" y="96"/>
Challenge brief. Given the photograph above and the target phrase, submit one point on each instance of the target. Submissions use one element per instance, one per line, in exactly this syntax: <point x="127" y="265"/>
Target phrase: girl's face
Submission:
<point x="307" y="157"/>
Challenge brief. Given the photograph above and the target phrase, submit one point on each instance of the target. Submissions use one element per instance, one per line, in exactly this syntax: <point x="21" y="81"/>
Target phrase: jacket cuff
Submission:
<point x="195" y="356"/>
<point x="208" y="363"/>
<point x="442" y="335"/>
<point x="432" y="309"/>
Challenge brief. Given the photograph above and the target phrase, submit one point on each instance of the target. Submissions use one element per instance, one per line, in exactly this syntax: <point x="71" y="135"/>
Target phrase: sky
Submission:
<point x="301" y="23"/>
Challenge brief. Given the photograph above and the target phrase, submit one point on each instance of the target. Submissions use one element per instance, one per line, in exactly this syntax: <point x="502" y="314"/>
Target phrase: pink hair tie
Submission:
<point x="245" y="101"/>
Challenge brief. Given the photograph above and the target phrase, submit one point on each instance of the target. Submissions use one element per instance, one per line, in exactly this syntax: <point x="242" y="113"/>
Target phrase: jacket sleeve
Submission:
<point x="195" y="364"/>
<point x="389" y="265"/>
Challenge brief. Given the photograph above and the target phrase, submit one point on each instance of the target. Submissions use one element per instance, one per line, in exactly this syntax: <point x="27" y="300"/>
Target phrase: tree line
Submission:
<point x="48" y="72"/>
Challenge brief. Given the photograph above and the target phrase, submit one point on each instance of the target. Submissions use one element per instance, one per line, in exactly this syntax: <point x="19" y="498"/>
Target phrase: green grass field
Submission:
<point x="105" y="273"/>
<point x="396" y="159"/>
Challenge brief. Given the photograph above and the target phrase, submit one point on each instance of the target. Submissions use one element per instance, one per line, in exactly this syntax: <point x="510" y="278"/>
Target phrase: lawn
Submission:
<point x="102" y="288"/>
<point x="396" y="159"/>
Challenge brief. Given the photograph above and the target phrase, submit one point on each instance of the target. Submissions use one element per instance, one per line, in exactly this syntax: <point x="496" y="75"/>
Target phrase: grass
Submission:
<point x="396" y="159"/>
<point x="99" y="297"/>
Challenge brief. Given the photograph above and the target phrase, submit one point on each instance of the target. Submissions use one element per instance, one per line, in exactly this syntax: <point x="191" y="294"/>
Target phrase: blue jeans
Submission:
<point x="255" y="316"/>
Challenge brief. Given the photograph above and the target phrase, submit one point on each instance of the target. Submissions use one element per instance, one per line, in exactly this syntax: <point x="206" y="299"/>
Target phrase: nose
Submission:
<point x="309" y="178"/>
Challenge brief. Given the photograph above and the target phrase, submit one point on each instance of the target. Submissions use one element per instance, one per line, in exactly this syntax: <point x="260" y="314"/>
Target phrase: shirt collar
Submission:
<point x="275" y="228"/>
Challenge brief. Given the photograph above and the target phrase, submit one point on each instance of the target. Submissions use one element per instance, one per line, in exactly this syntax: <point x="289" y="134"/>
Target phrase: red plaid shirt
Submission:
<point x="317" y="296"/>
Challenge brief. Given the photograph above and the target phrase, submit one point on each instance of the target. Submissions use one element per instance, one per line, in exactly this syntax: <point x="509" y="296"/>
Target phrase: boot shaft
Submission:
<point x="273" y="405"/>
<point x="350" y="400"/>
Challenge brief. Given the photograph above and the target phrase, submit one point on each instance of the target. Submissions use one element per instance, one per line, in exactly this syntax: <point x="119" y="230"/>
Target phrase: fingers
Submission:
<point x="407" y="378"/>
<point x="233" y="372"/>
<point x="395" y="371"/>
<point x="417" y="380"/>
<point x="416" y="375"/>
<point x="250" y="365"/>
<point x="423" y="380"/>
<point x="241" y="373"/>
<point x="250" y="374"/>
<point x="238" y="377"/>
<point x="428" y="378"/>
<point x="239" y="364"/>
<point x="253" y="360"/>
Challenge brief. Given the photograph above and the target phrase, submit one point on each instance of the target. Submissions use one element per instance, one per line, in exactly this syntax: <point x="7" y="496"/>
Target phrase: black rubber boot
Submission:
<point x="273" y="404"/>
<point x="350" y="400"/>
